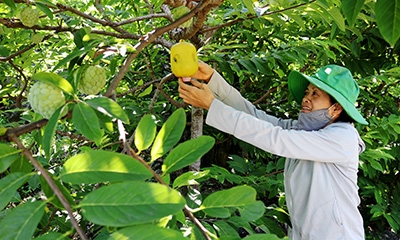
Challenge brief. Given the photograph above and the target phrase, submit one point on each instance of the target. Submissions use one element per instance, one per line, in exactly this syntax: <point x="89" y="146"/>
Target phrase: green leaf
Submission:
<point x="187" y="153"/>
<point x="56" y="80"/>
<point x="21" y="222"/>
<point x="267" y="236"/>
<point x="216" y="203"/>
<point x="224" y="229"/>
<point x="145" y="132"/>
<point x="50" y="130"/>
<point x="253" y="211"/>
<point x="52" y="236"/>
<point x="145" y="232"/>
<point x="7" y="156"/>
<point x="109" y="108"/>
<point x="188" y="178"/>
<point x="249" y="65"/>
<point x="9" y="185"/>
<point x="336" y="15"/>
<point x="74" y="54"/>
<point x="351" y="8"/>
<point x="87" y="122"/>
<point x="169" y="135"/>
<point x="45" y="9"/>
<point x="102" y="166"/>
<point x="10" y="3"/>
<point x="388" y="19"/>
<point x="48" y="191"/>
<point x="249" y="5"/>
<point x="128" y="203"/>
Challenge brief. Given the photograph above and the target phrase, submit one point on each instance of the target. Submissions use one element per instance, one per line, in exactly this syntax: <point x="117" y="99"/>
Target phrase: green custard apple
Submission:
<point x="29" y="16"/>
<point x="45" y="98"/>
<point x="93" y="80"/>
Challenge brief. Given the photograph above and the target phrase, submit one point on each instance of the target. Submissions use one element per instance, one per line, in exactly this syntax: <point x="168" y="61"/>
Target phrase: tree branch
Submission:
<point x="51" y="183"/>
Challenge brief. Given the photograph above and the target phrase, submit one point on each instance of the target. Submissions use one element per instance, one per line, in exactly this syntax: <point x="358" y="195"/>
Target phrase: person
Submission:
<point x="321" y="147"/>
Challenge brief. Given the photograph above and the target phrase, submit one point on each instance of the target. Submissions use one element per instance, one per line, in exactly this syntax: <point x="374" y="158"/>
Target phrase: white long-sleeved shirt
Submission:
<point x="320" y="170"/>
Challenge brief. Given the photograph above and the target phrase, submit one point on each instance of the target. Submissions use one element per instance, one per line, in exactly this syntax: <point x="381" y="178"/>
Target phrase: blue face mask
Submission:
<point x="314" y="120"/>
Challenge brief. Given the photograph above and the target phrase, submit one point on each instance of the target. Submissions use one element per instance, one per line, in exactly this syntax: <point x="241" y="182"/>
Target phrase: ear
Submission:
<point x="336" y="110"/>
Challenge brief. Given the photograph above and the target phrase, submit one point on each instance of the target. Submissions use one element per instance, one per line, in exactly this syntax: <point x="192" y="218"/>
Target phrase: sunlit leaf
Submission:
<point x="87" y="122"/>
<point x="129" y="202"/>
<point x="55" y="80"/>
<point x="169" y="135"/>
<point x="145" y="232"/>
<point x="188" y="178"/>
<point x="145" y="132"/>
<point x="108" y="107"/>
<point x="187" y="153"/>
<point x="216" y="203"/>
<point x="102" y="166"/>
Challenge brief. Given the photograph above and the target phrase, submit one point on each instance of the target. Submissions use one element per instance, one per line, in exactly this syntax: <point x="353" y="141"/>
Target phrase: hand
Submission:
<point x="204" y="73"/>
<point x="198" y="95"/>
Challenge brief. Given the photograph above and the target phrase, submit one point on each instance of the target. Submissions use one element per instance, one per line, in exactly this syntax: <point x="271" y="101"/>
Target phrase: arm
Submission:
<point x="202" y="95"/>
<point x="337" y="143"/>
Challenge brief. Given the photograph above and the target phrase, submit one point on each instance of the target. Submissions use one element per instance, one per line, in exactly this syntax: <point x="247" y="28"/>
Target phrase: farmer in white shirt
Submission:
<point x="321" y="147"/>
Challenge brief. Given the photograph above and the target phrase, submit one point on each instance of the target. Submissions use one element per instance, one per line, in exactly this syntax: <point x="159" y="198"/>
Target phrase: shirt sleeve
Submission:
<point x="232" y="97"/>
<point x="337" y="143"/>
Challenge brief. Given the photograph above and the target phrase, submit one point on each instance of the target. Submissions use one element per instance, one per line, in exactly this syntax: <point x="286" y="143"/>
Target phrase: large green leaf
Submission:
<point x="388" y="19"/>
<point x="102" y="166"/>
<point x="187" y="153"/>
<point x="145" y="132"/>
<point x="217" y="203"/>
<point x="56" y="80"/>
<point x="145" y="232"/>
<point x="9" y="184"/>
<point x="53" y="236"/>
<point x="169" y="135"/>
<point x="87" y="122"/>
<point x="7" y="156"/>
<point x="21" y="222"/>
<point x="129" y="203"/>
<point x="108" y="107"/>
<point x="351" y="8"/>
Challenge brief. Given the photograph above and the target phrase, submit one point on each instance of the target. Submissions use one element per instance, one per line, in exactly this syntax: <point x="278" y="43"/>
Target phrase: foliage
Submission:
<point x="117" y="166"/>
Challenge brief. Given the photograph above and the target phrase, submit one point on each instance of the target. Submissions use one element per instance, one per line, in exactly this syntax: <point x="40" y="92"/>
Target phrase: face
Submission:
<point x="315" y="99"/>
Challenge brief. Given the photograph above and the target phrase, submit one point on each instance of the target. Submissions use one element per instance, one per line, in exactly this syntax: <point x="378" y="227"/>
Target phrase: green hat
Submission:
<point x="335" y="80"/>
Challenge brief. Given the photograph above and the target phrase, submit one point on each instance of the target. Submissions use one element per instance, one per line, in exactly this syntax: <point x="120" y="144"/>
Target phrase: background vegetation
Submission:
<point x="119" y="165"/>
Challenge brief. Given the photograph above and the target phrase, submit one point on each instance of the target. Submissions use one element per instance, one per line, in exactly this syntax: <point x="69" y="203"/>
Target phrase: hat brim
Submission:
<point x="298" y="82"/>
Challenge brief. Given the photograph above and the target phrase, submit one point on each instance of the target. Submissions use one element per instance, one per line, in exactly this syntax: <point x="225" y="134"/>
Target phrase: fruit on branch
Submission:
<point x="184" y="61"/>
<point x="37" y="38"/>
<point x="180" y="12"/>
<point x="29" y="16"/>
<point x="45" y="98"/>
<point x="93" y="80"/>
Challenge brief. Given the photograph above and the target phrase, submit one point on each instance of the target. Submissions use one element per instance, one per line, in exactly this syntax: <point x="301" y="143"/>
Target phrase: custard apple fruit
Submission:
<point x="45" y="98"/>
<point x="29" y="16"/>
<point x="37" y="38"/>
<point x="93" y="80"/>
